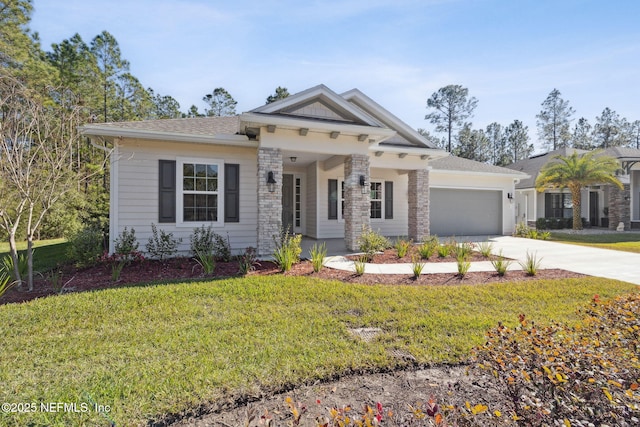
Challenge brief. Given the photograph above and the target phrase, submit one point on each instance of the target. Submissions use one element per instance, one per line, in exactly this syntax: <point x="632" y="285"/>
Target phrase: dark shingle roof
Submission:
<point x="453" y="163"/>
<point x="192" y="126"/>
<point x="533" y="164"/>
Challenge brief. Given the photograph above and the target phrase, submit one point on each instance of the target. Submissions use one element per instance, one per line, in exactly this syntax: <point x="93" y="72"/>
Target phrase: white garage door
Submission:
<point x="455" y="212"/>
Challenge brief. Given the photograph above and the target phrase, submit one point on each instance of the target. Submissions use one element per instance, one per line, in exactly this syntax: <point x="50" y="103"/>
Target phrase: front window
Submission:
<point x="376" y="200"/>
<point x="558" y="205"/>
<point x="200" y="181"/>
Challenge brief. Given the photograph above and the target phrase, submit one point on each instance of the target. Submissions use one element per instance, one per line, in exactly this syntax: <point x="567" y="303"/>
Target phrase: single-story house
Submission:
<point x="602" y="205"/>
<point x="317" y="163"/>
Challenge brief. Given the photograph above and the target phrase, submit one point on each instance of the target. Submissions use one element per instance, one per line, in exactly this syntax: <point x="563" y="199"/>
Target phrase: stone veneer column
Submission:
<point x="357" y="206"/>
<point x="619" y="207"/>
<point x="418" y="204"/>
<point x="269" y="203"/>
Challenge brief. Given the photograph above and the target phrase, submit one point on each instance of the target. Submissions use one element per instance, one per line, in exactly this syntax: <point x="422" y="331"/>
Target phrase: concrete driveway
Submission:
<point x="606" y="263"/>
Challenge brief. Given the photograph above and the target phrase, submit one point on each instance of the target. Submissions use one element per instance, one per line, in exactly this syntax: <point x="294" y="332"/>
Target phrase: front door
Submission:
<point x="594" y="209"/>
<point x="287" y="203"/>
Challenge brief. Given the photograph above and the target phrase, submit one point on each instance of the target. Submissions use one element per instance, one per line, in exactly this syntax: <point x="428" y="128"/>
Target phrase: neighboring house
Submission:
<point x="317" y="163"/>
<point x="602" y="205"/>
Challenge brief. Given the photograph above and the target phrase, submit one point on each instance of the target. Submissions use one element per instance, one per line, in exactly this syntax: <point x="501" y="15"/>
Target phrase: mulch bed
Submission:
<point x="99" y="276"/>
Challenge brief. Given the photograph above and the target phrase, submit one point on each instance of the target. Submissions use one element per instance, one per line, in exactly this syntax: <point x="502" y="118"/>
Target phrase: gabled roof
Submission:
<point x="625" y="153"/>
<point x="406" y="134"/>
<point x="321" y="103"/>
<point x="459" y="164"/>
<point x="533" y="164"/>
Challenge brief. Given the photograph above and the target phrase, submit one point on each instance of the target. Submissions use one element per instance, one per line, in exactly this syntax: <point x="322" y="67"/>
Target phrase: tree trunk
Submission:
<point x="30" y="248"/>
<point x="576" y="197"/>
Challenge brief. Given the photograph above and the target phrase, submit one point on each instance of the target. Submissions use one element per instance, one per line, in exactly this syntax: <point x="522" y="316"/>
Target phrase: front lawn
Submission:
<point x="155" y="350"/>
<point x="628" y="242"/>
<point x="47" y="255"/>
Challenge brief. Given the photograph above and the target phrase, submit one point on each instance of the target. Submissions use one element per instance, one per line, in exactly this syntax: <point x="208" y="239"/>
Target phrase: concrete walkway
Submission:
<point x="606" y="263"/>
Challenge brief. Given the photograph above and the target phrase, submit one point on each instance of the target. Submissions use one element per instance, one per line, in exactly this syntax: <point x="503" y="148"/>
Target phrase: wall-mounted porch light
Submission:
<point x="293" y="159"/>
<point x="509" y="196"/>
<point x="271" y="182"/>
<point x="363" y="184"/>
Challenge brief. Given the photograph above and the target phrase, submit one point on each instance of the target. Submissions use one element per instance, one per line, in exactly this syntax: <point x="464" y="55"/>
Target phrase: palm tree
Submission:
<point x="575" y="172"/>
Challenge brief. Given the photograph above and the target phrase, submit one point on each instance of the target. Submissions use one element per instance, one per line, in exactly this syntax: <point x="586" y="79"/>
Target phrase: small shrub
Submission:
<point x="287" y="251"/>
<point x="545" y="235"/>
<point x="371" y="242"/>
<point x="444" y="251"/>
<point x="207" y="261"/>
<point x="522" y="230"/>
<point x="359" y="265"/>
<point x="5" y="281"/>
<point x="85" y="246"/>
<point x="317" y="255"/>
<point x="116" y="269"/>
<point x="531" y="264"/>
<point x="501" y="265"/>
<point x="247" y="261"/>
<point x="463" y="265"/>
<point x="541" y="224"/>
<point x="464" y="249"/>
<point x="532" y="233"/>
<point x="485" y="248"/>
<point x="162" y="244"/>
<point x="416" y="266"/>
<point x="126" y="245"/>
<point x="587" y="374"/>
<point x="427" y="249"/>
<point x="402" y="246"/>
<point x="7" y="265"/>
<point x="206" y="241"/>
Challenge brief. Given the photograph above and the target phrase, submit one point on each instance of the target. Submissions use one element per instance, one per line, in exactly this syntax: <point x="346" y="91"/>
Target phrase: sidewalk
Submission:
<point x="606" y="263"/>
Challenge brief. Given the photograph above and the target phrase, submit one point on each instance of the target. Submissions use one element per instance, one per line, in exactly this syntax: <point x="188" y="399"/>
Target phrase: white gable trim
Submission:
<point x="383" y="115"/>
<point x="324" y="94"/>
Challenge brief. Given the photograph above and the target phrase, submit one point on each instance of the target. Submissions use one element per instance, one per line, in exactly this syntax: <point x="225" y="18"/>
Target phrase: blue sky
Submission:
<point x="509" y="53"/>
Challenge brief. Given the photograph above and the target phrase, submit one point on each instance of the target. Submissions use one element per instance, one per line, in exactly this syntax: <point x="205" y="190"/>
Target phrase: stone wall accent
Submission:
<point x="357" y="206"/>
<point x="269" y="203"/>
<point x="418" y="204"/>
<point x="619" y="207"/>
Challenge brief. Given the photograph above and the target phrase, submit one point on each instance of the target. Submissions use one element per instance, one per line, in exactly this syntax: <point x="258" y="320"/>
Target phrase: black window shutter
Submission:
<point x="388" y="199"/>
<point x="167" y="191"/>
<point x="231" y="192"/>
<point x="333" y="199"/>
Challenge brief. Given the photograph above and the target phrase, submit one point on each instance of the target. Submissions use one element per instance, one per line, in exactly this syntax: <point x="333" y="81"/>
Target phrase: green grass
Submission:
<point x="154" y="350"/>
<point x="48" y="253"/>
<point x="628" y="242"/>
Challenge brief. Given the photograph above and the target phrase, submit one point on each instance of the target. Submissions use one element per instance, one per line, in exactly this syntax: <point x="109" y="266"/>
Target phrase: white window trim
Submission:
<point x="341" y="200"/>
<point x="382" y="197"/>
<point x="180" y="222"/>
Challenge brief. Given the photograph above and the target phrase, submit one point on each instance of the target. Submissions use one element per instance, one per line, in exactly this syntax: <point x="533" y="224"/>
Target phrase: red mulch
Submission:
<point x="99" y="276"/>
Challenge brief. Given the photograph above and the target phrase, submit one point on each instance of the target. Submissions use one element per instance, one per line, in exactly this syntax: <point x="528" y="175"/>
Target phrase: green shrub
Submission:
<point x="402" y="246"/>
<point x="531" y="264"/>
<point x="126" y="245"/>
<point x="206" y="241"/>
<point x="317" y="255"/>
<point x="416" y="266"/>
<point x="522" y="230"/>
<point x="444" y="251"/>
<point x="5" y="280"/>
<point x="162" y="244"/>
<point x="501" y="265"/>
<point x="541" y="224"/>
<point x="288" y="250"/>
<point x="247" y="261"/>
<point x="463" y="265"/>
<point x="6" y="265"/>
<point x="427" y="249"/>
<point x="359" y="265"/>
<point x="85" y="246"/>
<point x="464" y="249"/>
<point x="485" y="248"/>
<point x="207" y="261"/>
<point x="587" y="374"/>
<point x="371" y="242"/>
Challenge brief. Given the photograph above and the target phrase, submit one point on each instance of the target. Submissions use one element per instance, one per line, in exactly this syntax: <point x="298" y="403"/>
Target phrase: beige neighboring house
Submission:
<point x="602" y="205"/>
<point x="318" y="163"/>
